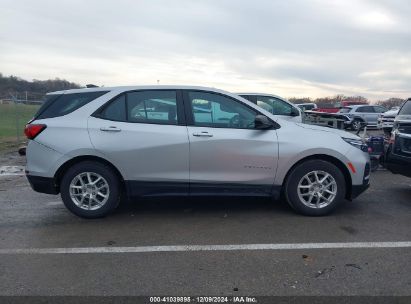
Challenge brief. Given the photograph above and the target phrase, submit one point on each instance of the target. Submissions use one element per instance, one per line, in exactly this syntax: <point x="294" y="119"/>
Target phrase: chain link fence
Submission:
<point x="15" y="111"/>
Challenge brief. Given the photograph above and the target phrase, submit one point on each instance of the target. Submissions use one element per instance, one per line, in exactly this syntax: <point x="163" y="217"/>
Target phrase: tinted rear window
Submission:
<point x="59" y="105"/>
<point x="406" y="108"/>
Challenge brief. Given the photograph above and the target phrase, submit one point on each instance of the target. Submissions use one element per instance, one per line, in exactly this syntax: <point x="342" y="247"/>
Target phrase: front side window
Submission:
<point x="380" y="109"/>
<point x="218" y="111"/>
<point x="274" y="105"/>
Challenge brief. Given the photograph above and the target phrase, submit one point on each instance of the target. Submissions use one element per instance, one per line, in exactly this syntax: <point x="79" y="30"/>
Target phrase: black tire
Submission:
<point x="104" y="171"/>
<point x="297" y="173"/>
<point x="356" y="124"/>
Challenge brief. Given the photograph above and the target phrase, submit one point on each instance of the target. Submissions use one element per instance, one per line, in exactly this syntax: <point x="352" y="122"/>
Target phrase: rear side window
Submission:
<point x="366" y="109"/>
<point x="59" y="105"/>
<point x="116" y="110"/>
<point x="249" y="98"/>
<point x="152" y="107"/>
<point x="155" y="107"/>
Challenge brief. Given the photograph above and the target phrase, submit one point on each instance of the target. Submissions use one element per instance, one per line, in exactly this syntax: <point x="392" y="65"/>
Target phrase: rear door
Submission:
<point x="227" y="154"/>
<point x="368" y="114"/>
<point x="143" y="133"/>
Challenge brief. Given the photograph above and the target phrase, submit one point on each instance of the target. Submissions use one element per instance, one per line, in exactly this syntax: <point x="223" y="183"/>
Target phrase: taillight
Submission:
<point x="32" y="130"/>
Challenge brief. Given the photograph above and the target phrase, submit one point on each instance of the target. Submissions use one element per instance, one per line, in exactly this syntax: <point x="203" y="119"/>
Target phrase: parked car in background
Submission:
<point x="307" y="106"/>
<point x="398" y="153"/>
<point x="361" y="115"/>
<point x="276" y="105"/>
<point x="95" y="145"/>
<point x="385" y="121"/>
<point x="335" y="108"/>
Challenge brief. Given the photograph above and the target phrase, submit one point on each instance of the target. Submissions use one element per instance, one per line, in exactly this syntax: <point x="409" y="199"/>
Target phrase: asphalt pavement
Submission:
<point x="35" y="222"/>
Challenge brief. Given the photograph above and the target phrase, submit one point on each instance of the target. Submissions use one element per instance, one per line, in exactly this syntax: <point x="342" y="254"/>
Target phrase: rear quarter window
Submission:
<point x="59" y="105"/>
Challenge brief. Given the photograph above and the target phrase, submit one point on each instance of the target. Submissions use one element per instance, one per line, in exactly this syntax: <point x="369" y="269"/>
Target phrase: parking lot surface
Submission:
<point x="36" y="222"/>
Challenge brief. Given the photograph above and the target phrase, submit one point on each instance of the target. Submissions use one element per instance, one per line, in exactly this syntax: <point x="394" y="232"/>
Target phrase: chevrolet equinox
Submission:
<point x="95" y="145"/>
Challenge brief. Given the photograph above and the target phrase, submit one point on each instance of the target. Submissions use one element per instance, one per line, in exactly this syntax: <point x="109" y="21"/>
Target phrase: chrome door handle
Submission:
<point x="110" y="129"/>
<point x="202" y="134"/>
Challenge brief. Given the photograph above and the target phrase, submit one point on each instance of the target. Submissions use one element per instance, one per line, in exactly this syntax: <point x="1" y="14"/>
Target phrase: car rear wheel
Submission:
<point x="315" y="188"/>
<point x="90" y="189"/>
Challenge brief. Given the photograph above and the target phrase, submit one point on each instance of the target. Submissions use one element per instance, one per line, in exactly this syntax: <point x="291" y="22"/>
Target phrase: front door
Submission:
<point x="227" y="154"/>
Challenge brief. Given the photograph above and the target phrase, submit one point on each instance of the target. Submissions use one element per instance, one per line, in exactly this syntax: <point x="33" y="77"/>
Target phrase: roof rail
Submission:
<point x="91" y="86"/>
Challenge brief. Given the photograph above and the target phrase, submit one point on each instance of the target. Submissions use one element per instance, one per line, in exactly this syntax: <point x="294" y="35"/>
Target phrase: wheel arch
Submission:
<point x="75" y="160"/>
<point x="335" y="161"/>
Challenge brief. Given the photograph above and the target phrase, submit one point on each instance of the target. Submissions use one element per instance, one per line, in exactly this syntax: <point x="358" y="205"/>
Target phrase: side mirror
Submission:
<point x="262" y="122"/>
<point x="294" y="112"/>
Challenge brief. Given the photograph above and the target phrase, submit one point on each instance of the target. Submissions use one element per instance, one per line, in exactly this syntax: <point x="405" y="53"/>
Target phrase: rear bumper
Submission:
<point x="42" y="184"/>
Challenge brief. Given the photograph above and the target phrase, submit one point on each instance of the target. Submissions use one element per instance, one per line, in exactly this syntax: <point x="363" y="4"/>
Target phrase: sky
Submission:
<point x="293" y="48"/>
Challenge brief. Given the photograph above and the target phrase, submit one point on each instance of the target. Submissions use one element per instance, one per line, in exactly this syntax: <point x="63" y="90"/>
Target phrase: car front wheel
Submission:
<point x="315" y="187"/>
<point x="356" y="125"/>
<point x="90" y="189"/>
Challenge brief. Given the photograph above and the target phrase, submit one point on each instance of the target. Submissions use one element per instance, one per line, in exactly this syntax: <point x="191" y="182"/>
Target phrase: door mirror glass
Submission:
<point x="262" y="122"/>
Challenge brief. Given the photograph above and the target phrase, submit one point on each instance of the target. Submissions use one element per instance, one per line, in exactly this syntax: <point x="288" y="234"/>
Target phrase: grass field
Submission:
<point x="13" y="118"/>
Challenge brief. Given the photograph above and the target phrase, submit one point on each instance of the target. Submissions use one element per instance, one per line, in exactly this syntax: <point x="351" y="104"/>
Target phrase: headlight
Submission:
<point x="358" y="143"/>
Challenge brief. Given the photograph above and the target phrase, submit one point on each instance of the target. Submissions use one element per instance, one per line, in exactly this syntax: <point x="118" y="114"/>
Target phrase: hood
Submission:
<point x="338" y="132"/>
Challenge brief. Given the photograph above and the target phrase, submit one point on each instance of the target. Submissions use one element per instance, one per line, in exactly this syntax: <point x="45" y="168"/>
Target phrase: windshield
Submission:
<point x="406" y="108"/>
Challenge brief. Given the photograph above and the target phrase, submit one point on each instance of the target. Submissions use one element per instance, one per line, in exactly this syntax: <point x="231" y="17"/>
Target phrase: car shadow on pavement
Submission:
<point x="210" y="205"/>
<point x="202" y="205"/>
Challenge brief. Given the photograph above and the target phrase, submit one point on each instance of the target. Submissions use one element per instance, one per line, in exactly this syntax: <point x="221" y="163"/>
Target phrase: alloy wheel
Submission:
<point x="89" y="191"/>
<point x="317" y="189"/>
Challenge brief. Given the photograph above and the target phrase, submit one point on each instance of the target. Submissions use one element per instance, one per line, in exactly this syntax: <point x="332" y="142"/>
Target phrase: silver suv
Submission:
<point x="361" y="115"/>
<point x="96" y="145"/>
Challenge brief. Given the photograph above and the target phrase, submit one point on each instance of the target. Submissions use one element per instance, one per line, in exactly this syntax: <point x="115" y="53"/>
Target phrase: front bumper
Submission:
<point x="356" y="190"/>
<point x="42" y="184"/>
<point x="398" y="164"/>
